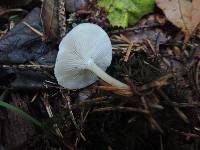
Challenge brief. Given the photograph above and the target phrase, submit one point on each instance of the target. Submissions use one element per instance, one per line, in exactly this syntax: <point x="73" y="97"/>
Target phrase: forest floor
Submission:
<point x="158" y="57"/>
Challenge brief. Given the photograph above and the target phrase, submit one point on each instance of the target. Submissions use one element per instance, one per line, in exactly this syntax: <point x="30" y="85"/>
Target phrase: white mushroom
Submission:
<point x="84" y="53"/>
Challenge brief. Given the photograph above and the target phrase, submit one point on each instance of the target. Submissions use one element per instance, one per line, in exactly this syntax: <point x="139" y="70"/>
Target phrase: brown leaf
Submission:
<point x="49" y="17"/>
<point x="182" y="13"/>
<point x="195" y="13"/>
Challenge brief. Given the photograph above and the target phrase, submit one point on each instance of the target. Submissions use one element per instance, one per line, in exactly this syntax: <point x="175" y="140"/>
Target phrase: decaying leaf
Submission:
<point x="195" y="13"/>
<point x="53" y="19"/>
<point x="49" y="17"/>
<point x="182" y="13"/>
<point x="21" y="45"/>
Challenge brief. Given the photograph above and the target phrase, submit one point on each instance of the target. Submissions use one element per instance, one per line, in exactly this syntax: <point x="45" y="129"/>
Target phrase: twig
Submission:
<point x="81" y="128"/>
<point x="157" y="83"/>
<point x="33" y="29"/>
<point x="179" y="112"/>
<point x="150" y="65"/>
<point x="91" y="101"/>
<point x="182" y="115"/>
<point x="35" y="67"/>
<point x="34" y="97"/>
<point x="155" y="124"/>
<point x="148" y="88"/>
<point x="128" y="52"/>
<point x="181" y="105"/>
<point x="152" y="121"/>
<point x="50" y="113"/>
<point x="123" y="109"/>
<point x="125" y="39"/>
<point x="134" y="28"/>
<point x="67" y="101"/>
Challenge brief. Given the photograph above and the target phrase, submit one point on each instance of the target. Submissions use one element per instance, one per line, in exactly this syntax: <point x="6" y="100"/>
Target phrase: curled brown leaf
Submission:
<point x="182" y="13"/>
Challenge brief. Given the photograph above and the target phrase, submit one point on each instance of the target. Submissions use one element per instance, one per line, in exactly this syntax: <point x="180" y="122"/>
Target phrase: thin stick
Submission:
<point x="67" y="101"/>
<point x="50" y="113"/>
<point x="46" y="67"/>
<point x="33" y="29"/>
<point x="128" y="52"/>
<point x="135" y="28"/>
<point x="123" y="109"/>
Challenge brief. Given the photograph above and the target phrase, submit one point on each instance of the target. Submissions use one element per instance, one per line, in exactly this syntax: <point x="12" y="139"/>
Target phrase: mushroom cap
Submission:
<point x="84" y="43"/>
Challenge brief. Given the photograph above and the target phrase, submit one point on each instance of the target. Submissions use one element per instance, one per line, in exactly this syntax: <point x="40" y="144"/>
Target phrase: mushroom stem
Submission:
<point x="107" y="78"/>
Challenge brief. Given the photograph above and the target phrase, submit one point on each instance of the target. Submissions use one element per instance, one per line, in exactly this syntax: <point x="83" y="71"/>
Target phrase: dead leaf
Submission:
<point x="49" y="17"/>
<point x="21" y="44"/>
<point x="182" y="13"/>
<point x="195" y="13"/>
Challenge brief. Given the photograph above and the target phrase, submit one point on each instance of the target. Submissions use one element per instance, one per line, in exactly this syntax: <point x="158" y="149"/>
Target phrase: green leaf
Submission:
<point x="124" y="12"/>
<point x="105" y="3"/>
<point x="18" y="111"/>
<point x="132" y="18"/>
<point x="116" y="15"/>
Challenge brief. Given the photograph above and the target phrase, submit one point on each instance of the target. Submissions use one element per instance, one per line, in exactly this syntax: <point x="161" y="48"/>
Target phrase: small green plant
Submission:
<point x="124" y="12"/>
